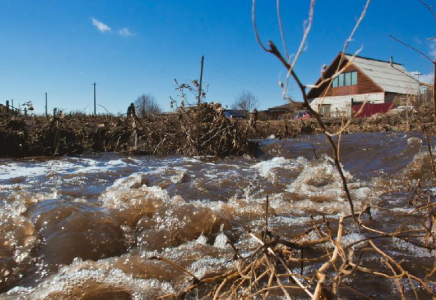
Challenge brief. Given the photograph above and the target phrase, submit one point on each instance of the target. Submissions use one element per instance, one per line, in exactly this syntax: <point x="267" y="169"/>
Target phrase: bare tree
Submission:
<point x="245" y="101"/>
<point x="147" y="106"/>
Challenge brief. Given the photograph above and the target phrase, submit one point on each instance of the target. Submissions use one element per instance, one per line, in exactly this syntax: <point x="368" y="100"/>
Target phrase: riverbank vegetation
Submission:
<point x="190" y="131"/>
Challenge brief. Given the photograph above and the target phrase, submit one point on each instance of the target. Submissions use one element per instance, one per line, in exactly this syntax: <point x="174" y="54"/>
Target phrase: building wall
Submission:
<point x="400" y="99"/>
<point x="341" y="105"/>
<point x="364" y="86"/>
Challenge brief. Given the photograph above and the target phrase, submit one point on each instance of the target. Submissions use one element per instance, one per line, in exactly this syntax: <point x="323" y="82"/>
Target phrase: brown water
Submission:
<point x="84" y="227"/>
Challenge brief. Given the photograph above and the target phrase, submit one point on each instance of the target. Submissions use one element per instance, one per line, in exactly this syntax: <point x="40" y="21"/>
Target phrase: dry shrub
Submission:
<point x="208" y="132"/>
<point x="190" y="131"/>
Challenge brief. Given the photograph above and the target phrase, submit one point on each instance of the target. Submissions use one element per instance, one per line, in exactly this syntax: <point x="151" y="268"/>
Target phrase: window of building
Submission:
<point x="422" y="89"/>
<point x="353" y="78"/>
<point x="345" y="79"/>
<point x="341" y="80"/>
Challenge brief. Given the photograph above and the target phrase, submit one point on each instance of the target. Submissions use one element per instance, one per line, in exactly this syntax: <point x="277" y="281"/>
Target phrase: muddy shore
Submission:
<point x="200" y="131"/>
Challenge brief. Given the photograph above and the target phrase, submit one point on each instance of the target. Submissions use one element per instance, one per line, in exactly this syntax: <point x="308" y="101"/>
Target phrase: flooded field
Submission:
<point x="86" y="227"/>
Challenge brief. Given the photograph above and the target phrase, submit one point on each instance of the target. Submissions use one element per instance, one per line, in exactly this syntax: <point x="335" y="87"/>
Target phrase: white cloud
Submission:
<point x="100" y="26"/>
<point x="125" y="32"/>
<point x="105" y="28"/>
<point x="427" y="78"/>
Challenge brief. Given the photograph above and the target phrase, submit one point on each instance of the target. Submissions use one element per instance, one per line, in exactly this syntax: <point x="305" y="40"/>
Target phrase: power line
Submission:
<point x="216" y="67"/>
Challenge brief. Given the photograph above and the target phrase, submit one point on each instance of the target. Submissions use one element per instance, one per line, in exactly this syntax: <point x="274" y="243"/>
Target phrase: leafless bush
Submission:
<point x="146" y="106"/>
<point x="204" y="128"/>
<point x="245" y="101"/>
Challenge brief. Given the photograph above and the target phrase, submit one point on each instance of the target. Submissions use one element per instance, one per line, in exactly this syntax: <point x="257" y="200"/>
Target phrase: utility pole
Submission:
<point x="417" y="74"/>
<point x="201" y="80"/>
<point x="95" y="98"/>
<point x="46" y="106"/>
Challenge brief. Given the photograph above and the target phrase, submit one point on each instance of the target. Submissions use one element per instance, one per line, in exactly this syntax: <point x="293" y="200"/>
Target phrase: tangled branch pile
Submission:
<point x="199" y="130"/>
<point x="319" y="264"/>
<point x="208" y="132"/>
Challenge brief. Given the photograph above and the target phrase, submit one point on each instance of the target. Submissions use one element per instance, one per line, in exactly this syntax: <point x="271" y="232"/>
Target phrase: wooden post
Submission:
<point x="201" y="80"/>
<point x="7" y="106"/>
<point x="95" y="98"/>
<point x="46" y="106"/>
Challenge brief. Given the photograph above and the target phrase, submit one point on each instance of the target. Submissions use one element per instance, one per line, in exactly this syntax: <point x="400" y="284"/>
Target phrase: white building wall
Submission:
<point x="341" y="105"/>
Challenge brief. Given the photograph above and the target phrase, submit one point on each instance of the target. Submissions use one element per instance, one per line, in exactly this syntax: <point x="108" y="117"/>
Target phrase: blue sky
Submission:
<point x="139" y="46"/>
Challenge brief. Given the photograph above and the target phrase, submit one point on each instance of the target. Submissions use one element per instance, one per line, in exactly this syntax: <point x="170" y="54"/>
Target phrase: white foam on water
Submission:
<point x="411" y="248"/>
<point x="178" y="177"/>
<point x="128" y="182"/>
<point x="202" y="240"/>
<point x="352" y="238"/>
<point x="320" y="183"/>
<point x="73" y="284"/>
<point x="62" y="166"/>
<point x="289" y="221"/>
<point x="403" y="210"/>
<point x="414" y="140"/>
<point x="206" y="265"/>
<point x="29" y="170"/>
<point x="318" y="177"/>
<point x="14" y="170"/>
<point x="221" y="239"/>
<point x="118" y="163"/>
<point x="264" y="168"/>
<point x="94" y="166"/>
<point x="127" y="192"/>
<point x="19" y="237"/>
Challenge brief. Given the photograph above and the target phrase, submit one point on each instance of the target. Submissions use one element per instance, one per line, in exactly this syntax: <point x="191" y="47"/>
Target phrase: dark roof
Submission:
<point x="287" y="106"/>
<point x="369" y="58"/>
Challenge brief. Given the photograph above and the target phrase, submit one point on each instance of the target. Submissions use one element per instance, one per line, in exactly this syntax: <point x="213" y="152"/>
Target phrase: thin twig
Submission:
<point x="430" y="152"/>
<point x="411" y="47"/>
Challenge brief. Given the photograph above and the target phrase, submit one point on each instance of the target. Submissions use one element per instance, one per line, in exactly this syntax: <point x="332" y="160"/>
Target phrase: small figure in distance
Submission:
<point x="131" y="111"/>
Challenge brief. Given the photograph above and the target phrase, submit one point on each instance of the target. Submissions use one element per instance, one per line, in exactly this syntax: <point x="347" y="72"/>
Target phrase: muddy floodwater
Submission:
<point x="85" y="227"/>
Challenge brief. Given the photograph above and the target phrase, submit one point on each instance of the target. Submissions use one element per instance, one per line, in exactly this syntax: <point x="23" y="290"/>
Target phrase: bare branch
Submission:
<point x="253" y="17"/>
<point x="302" y="43"/>
<point x="362" y="15"/>
<point x="290" y="68"/>
<point x="413" y="48"/>
<point x="429" y="8"/>
<point x="279" y="17"/>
